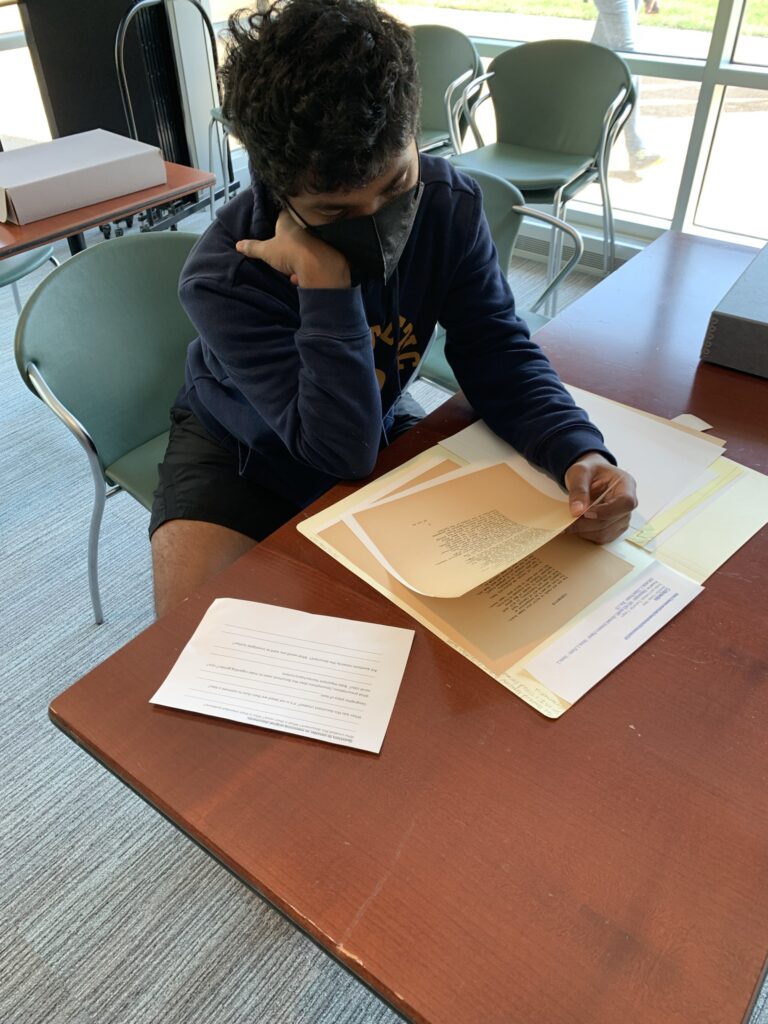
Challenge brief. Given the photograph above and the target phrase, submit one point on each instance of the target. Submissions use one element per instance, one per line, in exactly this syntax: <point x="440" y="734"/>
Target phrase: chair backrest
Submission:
<point x="108" y="334"/>
<point x="443" y="54"/>
<point x="554" y="94"/>
<point x="499" y="198"/>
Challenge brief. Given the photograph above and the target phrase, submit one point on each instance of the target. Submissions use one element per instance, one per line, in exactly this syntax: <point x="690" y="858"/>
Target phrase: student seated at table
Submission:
<point x="316" y="291"/>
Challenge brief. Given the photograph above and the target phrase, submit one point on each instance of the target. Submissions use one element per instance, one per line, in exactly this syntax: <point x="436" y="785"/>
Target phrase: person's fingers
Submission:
<point x="587" y="525"/>
<point x="250" y="247"/>
<point x="601" y="497"/>
<point x="620" y="496"/>
<point x="611" y="507"/>
<point x="579" y="479"/>
<point x="590" y="526"/>
<point x="599" y="532"/>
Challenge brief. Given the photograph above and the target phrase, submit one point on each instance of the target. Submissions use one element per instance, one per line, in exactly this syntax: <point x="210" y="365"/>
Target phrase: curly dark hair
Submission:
<point x="323" y="94"/>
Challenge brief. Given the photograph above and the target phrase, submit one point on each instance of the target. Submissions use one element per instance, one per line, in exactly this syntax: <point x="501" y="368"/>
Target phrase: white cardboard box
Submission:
<point x="77" y="170"/>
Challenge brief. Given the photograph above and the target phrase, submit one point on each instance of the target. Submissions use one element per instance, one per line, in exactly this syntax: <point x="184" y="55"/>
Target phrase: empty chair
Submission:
<point x="559" y="105"/>
<point x="447" y="62"/>
<point x="103" y="342"/>
<point x="13" y="268"/>
<point x="504" y="211"/>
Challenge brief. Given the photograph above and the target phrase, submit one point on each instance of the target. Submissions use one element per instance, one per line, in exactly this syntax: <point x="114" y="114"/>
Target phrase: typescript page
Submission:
<point x="448" y="536"/>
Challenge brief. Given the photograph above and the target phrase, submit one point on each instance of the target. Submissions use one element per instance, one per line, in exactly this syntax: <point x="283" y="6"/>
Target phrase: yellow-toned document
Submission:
<point x="447" y="536"/>
<point x="501" y="621"/>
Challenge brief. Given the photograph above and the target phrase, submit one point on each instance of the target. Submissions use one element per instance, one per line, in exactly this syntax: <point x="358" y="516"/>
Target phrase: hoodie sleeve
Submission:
<point x="504" y="374"/>
<point x="307" y="372"/>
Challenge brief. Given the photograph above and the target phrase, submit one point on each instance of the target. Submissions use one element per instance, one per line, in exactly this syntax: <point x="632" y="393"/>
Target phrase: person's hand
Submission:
<point x="588" y="478"/>
<point x="306" y="260"/>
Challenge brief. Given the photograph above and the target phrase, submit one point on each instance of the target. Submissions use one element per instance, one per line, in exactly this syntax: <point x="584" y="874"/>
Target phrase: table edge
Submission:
<point x="336" y="953"/>
<point x="128" y="209"/>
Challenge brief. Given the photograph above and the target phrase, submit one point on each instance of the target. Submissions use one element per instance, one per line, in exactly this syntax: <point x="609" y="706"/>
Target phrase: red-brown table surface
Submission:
<point x="491" y="865"/>
<point x="16" y="238"/>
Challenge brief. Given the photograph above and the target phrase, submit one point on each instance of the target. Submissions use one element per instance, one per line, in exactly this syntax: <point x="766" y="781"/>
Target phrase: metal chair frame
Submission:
<point x="450" y="142"/>
<point x="140" y="431"/>
<point x="103" y="488"/>
<point x="222" y="149"/>
<point x="125" y="95"/>
<point x="562" y="228"/>
<point x="613" y="120"/>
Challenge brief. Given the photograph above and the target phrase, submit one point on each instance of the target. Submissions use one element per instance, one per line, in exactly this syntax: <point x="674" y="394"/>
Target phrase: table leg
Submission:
<point x="76" y="243"/>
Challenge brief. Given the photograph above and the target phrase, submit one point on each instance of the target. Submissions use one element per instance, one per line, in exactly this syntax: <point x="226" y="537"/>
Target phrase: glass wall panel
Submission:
<point x="752" y="45"/>
<point x="733" y="195"/>
<point x="679" y="28"/>
<point x="220" y="10"/>
<point x="22" y="118"/>
<point x="10" y="19"/>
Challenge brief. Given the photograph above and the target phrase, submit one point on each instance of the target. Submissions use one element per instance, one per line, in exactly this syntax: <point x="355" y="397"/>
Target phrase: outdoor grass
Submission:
<point x="683" y="14"/>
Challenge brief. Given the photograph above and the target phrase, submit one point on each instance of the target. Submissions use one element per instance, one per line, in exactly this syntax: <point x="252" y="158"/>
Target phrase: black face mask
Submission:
<point x="373" y="244"/>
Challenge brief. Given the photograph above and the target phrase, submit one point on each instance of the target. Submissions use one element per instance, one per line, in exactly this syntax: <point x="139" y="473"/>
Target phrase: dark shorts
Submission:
<point x="199" y="480"/>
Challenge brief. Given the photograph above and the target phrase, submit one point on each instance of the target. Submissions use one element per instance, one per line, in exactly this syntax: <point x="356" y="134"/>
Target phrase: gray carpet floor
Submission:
<point x="107" y="914"/>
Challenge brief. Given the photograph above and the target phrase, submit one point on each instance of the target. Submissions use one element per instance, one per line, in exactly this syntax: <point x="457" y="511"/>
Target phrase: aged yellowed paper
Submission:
<point x="447" y="536"/>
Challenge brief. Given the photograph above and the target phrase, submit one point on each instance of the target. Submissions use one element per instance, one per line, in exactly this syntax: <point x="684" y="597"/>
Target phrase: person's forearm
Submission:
<point x="338" y="411"/>
<point x="308" y="373"/>
<point x="524" y="401"/>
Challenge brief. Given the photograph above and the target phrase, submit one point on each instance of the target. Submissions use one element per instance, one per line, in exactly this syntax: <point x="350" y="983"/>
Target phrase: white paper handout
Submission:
<point x="601" y="640"/>
<point x="313" y="675"/>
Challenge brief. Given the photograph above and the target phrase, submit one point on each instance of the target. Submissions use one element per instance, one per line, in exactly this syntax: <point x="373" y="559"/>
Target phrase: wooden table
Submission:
<point x="15" y="238"/>
<point x="492" y="865"/>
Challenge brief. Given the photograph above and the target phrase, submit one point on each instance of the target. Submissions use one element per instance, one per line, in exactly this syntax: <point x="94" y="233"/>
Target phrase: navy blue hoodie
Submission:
<point x="303" y="382"/>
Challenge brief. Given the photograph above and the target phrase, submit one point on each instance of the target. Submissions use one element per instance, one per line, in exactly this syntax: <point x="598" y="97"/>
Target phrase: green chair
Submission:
<point x="504" y="211"/>
<point x="13" y="268"/>
<point x="559" y="105"/>
<point x="103" y="342"/>
<point x="447" y="62"/>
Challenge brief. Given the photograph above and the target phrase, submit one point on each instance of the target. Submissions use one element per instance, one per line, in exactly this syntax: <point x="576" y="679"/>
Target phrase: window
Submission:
<point x="22" y="118"/>
<point x="702" y="72"/>
<point x="733" y="195"/>
<point x="752" y="45"/>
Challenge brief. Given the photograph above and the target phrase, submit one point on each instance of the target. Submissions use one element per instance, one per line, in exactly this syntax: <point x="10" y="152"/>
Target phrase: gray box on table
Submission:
<point x="737" y="335"/>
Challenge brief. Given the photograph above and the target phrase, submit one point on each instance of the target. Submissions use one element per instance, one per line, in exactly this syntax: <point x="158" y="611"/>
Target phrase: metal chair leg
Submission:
<point x="99" y="497"/>
<point x="85" y="440"/>
<point x="609" y="237"/>
<point x="16" y="297"/>
<point x="223" y="152"/>
<point x="555" y="256"/>
<point x="212" y="190"/>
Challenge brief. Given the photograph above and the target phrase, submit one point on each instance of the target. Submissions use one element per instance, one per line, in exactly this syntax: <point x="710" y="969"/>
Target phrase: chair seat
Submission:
<point x="532" y="170"/>
<point x="433" y="139"/>
<point x="13" y="268"/>
<point x="136" y="472"/>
